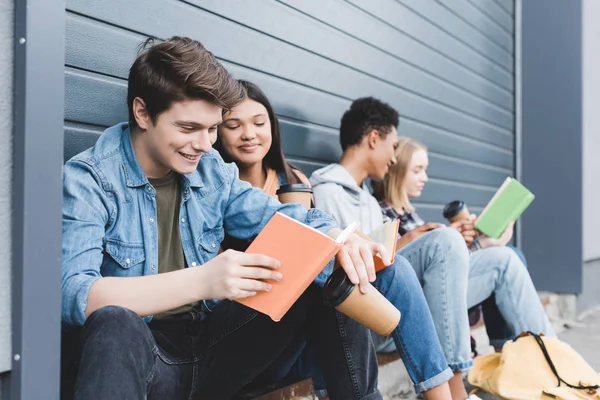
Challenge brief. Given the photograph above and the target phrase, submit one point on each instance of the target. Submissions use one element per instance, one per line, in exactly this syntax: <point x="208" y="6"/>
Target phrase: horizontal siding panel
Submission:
<point x="443" y="167"/>
<point x="273" y="57"/>
<point x="303" y="140"/>
<point x="456" y="145"/>
<point x="459" y="101"/>
<point x="448" y="73"/>
<point x="444" y="22"/>
<point x="114" y="51"/>
<point x="79" y="138"/>
<point x="496" y="13"/>
<point x="433" y="213"/>
<point x="343" y="49"/>
<point x="96" y="46"/>
<point x="385" y="52"/>
<point x="484" y="24"/>
<point x="442" y="192"/>
<point x="508" y="6"/>
<point x="427" y="22"/>
<point x="83" y="104"/>
<point x="295" y="101"/>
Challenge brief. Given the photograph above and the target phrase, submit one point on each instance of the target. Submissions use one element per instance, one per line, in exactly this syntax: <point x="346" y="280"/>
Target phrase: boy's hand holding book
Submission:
<point x="236" y="275"/>
<point x="304" y="252"/>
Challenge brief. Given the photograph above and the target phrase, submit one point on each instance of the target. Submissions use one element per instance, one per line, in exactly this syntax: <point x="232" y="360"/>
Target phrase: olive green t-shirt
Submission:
<point x="170" y="250"/>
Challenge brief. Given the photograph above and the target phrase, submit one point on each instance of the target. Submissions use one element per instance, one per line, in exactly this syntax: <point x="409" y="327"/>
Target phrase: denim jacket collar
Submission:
<point x="135" y="175"/>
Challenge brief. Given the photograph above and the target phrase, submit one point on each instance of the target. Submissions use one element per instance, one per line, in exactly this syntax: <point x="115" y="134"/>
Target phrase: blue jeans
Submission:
<point x="415" y="336"/>
<point x="450" y="275"/>
<point x="499" y="271"/>
<point x="441" y="262"/>
<point x="213" y="355"/>
<point x="496" y="327"/>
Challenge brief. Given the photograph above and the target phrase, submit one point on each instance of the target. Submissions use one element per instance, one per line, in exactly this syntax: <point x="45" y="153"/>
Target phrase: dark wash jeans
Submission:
<point x="213" y="355"/>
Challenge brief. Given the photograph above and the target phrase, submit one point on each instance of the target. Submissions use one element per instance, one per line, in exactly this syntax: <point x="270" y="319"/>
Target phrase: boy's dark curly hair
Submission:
<point x="366" y="114"/>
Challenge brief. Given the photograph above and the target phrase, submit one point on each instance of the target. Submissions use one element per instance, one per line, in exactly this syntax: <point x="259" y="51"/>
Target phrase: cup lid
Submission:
<point x="453" y="208"/>
<point x="294" y="187"/>
<point x="337" y="288"/>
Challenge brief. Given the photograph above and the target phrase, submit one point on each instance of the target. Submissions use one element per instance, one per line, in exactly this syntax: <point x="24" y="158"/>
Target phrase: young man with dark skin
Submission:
<point x="438" y="254"/>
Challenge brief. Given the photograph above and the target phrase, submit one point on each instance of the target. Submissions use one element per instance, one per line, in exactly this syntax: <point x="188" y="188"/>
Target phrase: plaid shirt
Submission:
<point x="411" y="220"/>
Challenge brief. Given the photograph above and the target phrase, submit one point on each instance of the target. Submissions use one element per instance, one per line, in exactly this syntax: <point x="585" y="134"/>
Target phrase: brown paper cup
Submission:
<point x="456" y="211"/>
<point x="371" y="309"/>
<point x="463" y="214"/>
<point x="295" y="193"/>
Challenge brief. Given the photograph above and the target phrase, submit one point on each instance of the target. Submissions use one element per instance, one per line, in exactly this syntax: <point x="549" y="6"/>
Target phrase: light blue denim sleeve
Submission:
<point x="249" y="209"/>
<point x="85" y="214"/>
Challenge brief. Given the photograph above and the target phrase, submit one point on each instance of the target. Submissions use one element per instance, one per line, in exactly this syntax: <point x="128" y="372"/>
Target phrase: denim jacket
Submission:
<point x="109" y="216"/>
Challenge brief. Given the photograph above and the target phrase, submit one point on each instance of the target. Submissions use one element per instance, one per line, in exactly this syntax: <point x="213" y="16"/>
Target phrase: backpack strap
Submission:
<point x="591" y="389"/>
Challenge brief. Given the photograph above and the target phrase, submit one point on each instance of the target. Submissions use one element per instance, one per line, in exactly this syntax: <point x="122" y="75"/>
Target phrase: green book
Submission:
<point x="507" y="205"/>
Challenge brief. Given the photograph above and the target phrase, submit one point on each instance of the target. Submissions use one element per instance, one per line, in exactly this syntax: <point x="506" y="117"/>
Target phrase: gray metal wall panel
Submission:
<point x="478" y="17"/>
<point x="452" y="23"/>
<point x="427" y="71"/>
<point x="450" y="78"/>
<point x="552" y="142"/>
<point x="270" y="55"/>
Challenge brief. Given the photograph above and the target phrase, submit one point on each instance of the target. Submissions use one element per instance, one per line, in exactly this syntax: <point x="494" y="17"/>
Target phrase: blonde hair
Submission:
<point x="392" y="189"/>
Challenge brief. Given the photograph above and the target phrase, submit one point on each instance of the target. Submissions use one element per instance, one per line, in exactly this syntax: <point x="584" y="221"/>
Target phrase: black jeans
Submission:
<point x="213" y="355"/>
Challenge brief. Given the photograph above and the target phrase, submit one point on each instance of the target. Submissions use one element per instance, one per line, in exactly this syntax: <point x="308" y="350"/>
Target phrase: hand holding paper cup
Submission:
<point x="371" y="309"/>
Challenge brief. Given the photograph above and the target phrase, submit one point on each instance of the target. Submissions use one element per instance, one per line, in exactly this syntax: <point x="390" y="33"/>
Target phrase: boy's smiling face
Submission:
<point x="178" y="138"/>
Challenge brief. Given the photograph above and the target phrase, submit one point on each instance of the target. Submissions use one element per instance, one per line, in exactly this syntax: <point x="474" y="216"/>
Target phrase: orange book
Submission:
<point x="303" y="253"/>
<point x="386" y="234"/>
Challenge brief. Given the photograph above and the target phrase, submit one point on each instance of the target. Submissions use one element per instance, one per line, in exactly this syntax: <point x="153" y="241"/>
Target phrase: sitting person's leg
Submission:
<point x="496" y="327"/>
<point x="500" y="271"/>
<point x="308" y="366"/>
<point x="293" y="364"/>
<point x="237" y="344"/>
<point x="119" y="359"/>
<point x="297" y="362"/>
<point x="519" y="253"/>
<point x="213" y="355"/>
<point x="415" y="337"/>
<point x="441" y="261"/>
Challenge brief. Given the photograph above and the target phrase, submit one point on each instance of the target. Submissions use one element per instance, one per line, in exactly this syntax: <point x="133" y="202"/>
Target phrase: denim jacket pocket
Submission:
<point x="126" y="255"/>
<point x="210" y="242"/>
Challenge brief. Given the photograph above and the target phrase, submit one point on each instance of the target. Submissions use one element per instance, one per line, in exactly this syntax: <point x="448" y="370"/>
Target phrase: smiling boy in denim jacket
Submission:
<point x="146" y="296"/>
